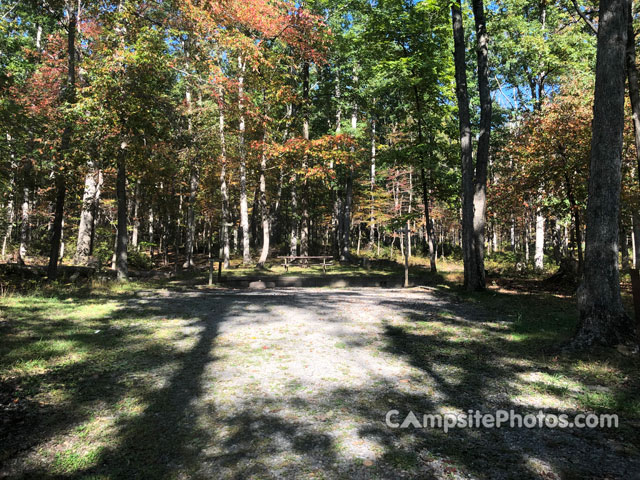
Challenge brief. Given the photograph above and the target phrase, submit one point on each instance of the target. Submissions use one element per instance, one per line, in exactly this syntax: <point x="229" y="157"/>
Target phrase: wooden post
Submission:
<point x="405" y="232"/>
<point x="324" y="265"/>
<point x="210" y="271"/>
<point x="635" y="288"/>
<point x="219" y="270"/>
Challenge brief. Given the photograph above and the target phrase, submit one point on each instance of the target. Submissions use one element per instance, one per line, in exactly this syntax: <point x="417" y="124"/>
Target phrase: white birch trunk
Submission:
<point x="539" y="255"/>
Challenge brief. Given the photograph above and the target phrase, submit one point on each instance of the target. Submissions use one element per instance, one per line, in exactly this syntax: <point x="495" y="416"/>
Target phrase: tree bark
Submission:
<point x="135" y="218"/>
<point x="372" y="185"/>
<point x="263" y="204"/>
<point x="482" y="156"/>
<point x="65" y="145"/>
<point x="224" y="194"/>
<point x="409" y="208"/>
<point x="90" y="197"/>
<point x="293" y="238"/>
<point x="428" y="223"/>
<point x="425" y="188"/>
<point x="191" y="224"/>
<point x="10" y="211"/>
<point x="24" y="214"/>
<point x="602" y="316"/>
<point x="624" y="247"/>
<point x="304" y="201"/>
<point x="345" y="253"/>
<point x="336" y="219"/>
<point x="634" y="97"/>
<point x="122" y="269"/>
<point x="150" y="234"/>
<point x="636" y="239"/>
<point x="526" y="239"/>
<point x="244" y="209"/>
<point x="634" y="87"/>
<point x="471" y="281"/>
<point x="577" y="223"/>
<point x="539" y="255"/>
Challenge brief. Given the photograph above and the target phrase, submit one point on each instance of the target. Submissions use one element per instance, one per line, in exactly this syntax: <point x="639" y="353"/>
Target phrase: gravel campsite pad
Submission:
<point x="288" y="383"/>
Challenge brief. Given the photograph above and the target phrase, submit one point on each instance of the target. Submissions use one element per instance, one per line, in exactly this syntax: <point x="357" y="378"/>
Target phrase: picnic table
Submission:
<point x="304" y="260"/>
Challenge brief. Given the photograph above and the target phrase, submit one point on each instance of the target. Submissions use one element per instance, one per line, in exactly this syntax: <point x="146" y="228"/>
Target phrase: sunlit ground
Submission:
<point x="159" y="383"/>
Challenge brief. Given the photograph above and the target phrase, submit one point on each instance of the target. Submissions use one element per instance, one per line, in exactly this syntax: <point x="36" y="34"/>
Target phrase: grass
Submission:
<point x="91" y="375"/>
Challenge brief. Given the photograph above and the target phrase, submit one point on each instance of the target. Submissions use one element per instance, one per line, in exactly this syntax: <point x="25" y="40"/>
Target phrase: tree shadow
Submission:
<point x="181" y="432"/>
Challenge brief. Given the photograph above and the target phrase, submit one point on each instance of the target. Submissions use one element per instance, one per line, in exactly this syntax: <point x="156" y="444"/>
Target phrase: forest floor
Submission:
<point x="142" y="382"/>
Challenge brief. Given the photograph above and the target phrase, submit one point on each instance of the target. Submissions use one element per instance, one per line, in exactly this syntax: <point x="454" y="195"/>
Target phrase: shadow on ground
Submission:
<point x="457" y="359"/>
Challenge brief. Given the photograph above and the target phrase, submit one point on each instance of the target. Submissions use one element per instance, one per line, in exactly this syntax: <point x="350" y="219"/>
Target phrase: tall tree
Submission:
<point x="476" y="281"/>
<point x="474" y="183"/>
<point x="602" y="316"/>
<point x="464" y="117"/>
<point x="65" y="143"/>
<point x="244" y="209"/>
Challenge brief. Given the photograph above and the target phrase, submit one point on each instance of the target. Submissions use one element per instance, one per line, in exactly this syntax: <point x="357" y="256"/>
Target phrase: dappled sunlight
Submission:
<point x="297" y="382"/>
<point x="542" y="468"/>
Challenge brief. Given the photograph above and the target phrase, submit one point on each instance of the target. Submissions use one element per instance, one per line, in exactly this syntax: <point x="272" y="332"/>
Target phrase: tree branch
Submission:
<point x="583" y="15"/>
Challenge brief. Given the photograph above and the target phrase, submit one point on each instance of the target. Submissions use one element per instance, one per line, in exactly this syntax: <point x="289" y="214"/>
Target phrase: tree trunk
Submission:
<point x="244" y="209"/>
<point x="425" y="188"/>
<point x="191" y="223"/>
<point x="254" y="218"/>
<point x="224" y="194"/>
<point x="409" y="208"/>
<point x="577" y="223"/>
<point x="526" y="239"/>
<point x="495" y="238"/>
<point x="92" y="184"/>
<point x="62" y="240"/>
<point x="482" y="156"/>
<point x="10" y="214"/>
<point x="236" y="234"/>
<point x="539" y="255"/>
<point x="336" y="219"/>
<point x="624" y="247"/>
<point x="24" y="217"/>
<point x="634" y="96"/>
<point x="428" y="223"/>
<point x="602" y="316"/>
<point x="636" y="239"/>
<point x="557" y="242"/>
<point x="345" y="254"/>
<point x="122" y="269"/>
<point x="293" y="242"/>
<point x="135" y="220"/>
<point x="471" y="281"/>
<point x="263" y="204"/>
<point x="634" y="87"/>
<point x="372" y="182"/>
<point x="150" y="233"/>
<point x="65" y="145"/>
<point x="304" y="201"/>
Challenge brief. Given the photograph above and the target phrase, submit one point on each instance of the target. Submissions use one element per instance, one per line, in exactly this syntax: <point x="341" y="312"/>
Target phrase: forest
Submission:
<point x="490" y="150"/>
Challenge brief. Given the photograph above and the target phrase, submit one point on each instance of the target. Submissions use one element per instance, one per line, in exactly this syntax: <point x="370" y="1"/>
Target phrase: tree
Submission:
<point x="474" y="183"/>
<point x="602" y="316"/>
<point x="65" y="142"/>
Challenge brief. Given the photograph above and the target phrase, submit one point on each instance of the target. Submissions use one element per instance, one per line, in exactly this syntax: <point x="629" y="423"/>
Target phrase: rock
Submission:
<point x="261" y="285"/>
